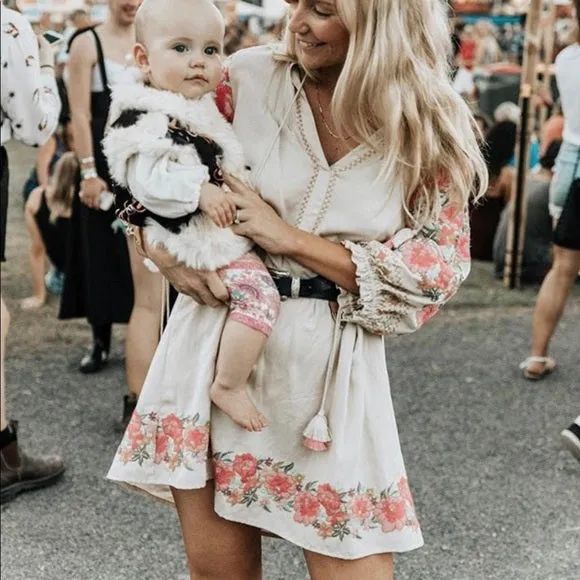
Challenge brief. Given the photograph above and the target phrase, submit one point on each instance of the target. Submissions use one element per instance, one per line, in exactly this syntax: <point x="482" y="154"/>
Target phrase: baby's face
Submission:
<point x="183" y="52"/>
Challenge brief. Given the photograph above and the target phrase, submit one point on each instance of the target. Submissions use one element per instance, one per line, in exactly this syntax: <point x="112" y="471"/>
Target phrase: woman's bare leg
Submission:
<point x="216" y="548"/>
<point x="378" y="567"/>
<point x="143" y="329"/>
<point x="551" y="301"/>
<point x="240" y="347"/>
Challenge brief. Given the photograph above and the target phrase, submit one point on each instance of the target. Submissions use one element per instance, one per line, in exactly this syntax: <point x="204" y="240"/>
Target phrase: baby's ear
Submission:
<point x="141" y="58"/>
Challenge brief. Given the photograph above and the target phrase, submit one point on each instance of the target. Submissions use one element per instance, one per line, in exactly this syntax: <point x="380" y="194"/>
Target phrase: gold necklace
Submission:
<point x="332" y="134"/>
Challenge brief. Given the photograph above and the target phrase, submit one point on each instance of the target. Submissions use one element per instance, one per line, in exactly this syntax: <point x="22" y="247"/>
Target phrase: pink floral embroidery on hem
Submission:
<point x="274" y="485"/>
<point x="171" y="440"/>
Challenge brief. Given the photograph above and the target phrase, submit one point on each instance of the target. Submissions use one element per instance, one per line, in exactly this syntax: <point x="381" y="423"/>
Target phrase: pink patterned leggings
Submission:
<point x="255" y="300"/>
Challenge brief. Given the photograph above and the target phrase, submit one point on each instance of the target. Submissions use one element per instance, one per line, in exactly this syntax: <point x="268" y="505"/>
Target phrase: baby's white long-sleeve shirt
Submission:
<point x="166" y="187"/>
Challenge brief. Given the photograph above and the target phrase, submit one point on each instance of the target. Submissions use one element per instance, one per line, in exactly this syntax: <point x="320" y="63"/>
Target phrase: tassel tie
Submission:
<point x="317" y="435"/>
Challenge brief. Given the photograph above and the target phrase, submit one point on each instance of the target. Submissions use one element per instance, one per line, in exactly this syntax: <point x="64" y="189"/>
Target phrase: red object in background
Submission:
<point x="467" y="52"/>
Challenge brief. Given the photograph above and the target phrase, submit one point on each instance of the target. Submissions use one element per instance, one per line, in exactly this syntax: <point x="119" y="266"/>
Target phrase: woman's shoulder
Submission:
<point x="258" y="62"/>
<point x="569" y="56"/>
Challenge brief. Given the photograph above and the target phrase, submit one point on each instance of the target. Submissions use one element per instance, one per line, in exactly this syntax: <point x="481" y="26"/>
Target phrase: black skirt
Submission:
<point x="98" y="283"/>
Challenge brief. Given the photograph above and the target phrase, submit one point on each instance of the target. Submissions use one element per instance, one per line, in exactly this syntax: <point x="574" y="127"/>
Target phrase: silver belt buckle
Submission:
<point x="294" y="284"/>
<point x="295" y="288"/>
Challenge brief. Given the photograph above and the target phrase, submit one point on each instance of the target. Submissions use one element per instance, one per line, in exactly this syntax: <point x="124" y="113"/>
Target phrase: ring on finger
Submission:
<point x="237" y="217"/>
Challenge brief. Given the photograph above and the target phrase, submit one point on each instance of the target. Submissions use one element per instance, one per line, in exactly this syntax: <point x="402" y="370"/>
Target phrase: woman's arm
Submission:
<point x="43" y="159"/>
<point x="29" y="93"/>
<point x="390" y="287"/>
<point x="82" y="59"/>
<point x="261" y="223"/>
<point x="36" y="254"/>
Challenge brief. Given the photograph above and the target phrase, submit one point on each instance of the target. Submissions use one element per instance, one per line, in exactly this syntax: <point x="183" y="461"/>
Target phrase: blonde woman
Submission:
<point x="364" y="158"/>
<point x="47" y="212"/>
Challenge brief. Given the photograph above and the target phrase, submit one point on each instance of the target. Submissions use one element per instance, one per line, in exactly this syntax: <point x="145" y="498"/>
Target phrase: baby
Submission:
<point x="166" y="148"/>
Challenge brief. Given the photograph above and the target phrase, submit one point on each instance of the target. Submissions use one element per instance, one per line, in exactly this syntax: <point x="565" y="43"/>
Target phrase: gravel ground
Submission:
<point x="497" y="496"/>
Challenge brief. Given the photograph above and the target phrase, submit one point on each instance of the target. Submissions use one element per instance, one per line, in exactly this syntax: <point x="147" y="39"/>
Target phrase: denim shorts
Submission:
<point x="566" y="170"/>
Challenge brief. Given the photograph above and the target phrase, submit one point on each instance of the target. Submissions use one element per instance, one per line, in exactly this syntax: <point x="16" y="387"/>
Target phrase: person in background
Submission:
<point x="553" y="129"/>
<point x="234" y="29"/>
<point x="537" y="252"/>
<point x="78" y="20"/>
<point x="47" y="213"/>
<point x="29" y="113"/>
<point x="105" y="281"/>
<point x="98" y="282"/>
<point x="487" y="49"/>
<point x="498" y="149"/>
<point x="565" y="210"/>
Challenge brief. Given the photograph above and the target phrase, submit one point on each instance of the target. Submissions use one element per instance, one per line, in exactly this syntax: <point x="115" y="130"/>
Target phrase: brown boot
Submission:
<point x="20" y="472"/>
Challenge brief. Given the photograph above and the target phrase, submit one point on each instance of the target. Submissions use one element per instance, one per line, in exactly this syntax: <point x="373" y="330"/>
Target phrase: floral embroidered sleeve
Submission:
<point x="224" y="96"/>
<point x="404" y="281"/>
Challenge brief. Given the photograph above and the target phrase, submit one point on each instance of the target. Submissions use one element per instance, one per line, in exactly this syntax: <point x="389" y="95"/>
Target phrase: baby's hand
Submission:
<point x="217" y="205"/>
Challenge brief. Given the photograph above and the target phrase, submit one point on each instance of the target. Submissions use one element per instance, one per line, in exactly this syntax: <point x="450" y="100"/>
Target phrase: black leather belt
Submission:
<point x="317" y="287"/>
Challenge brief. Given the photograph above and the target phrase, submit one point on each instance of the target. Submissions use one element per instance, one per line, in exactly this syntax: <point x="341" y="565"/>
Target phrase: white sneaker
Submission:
<point x="571" y="439"/>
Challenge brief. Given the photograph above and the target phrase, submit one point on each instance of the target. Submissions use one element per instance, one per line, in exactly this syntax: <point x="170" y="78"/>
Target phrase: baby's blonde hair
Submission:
<point x="394" y="94"/>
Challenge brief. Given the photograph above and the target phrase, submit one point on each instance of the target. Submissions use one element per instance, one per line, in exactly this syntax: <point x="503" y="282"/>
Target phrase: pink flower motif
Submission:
<point x="447" y="235"/>
<point x="280" y="485"/>
<point x="161" y="445"/>
<point x="420" y="255"/>
<point x="245" y="465"/>
<point x="445" y="278"/>
<point x="463" y="248"/>
<point x="135" y="425"/>
<point x="426" y="313"/>
<point x="197" y="439"/>
<point x="325" y="531"/>
<point x="404" y="491"/>
<point x="136" y="441"/>
<point x="235" y="497"/>
<point x="452" y="216"/>
<point x="391" y="513"/>
<point x="172" y="427"/>
<point x="361" y="507"/>
<point x="329" y="498"/>
<point x="250" y="483"/>
<point x="306" y="508"/>
<point x="224" y="97"/>
<point x="223" y="475"/>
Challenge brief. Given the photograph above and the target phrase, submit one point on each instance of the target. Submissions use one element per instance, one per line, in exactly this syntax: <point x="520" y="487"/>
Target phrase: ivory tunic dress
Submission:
<point x="352" y="500"/>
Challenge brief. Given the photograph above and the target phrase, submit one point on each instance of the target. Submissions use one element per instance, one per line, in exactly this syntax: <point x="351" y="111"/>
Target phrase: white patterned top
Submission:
<point x="30" y="101"/>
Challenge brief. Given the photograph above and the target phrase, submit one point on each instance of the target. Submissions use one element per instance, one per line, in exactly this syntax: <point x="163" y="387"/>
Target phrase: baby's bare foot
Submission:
<point x="237" y="404"/>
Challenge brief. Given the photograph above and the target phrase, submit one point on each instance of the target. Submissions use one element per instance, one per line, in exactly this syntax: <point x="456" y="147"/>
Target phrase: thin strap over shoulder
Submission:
<point x="100" y="55"/>
<point x="101" y="61"/>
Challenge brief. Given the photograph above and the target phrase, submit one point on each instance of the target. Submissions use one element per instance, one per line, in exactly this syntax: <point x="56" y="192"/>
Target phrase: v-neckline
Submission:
<point x="309" y="132"/>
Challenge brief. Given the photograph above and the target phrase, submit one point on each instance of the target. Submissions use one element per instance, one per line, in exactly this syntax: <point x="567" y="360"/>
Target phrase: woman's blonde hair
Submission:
<point x="394" y="94"/>
<point x="62" y="185"/>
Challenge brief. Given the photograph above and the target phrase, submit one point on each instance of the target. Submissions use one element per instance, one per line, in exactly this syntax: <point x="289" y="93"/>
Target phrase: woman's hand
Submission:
<point x="203" y="286"/>
<point x="258" y="220"/>
<point x="91" y="190"/>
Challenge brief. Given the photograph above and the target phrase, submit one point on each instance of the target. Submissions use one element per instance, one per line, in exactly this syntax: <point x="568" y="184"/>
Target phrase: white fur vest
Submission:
<point x="199" y="243"/>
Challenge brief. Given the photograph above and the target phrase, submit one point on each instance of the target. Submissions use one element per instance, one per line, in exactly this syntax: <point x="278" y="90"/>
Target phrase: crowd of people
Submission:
<point x="143" y="203"/>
